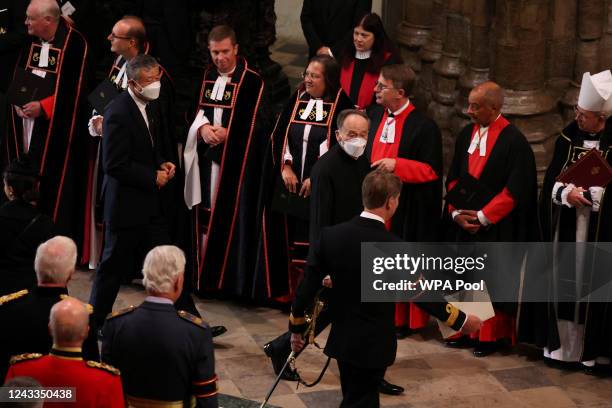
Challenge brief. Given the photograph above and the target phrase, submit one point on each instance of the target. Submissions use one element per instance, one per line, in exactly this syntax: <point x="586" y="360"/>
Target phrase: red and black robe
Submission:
<point x="358" y="81"/>
<point x="417" y="149"/>
<point x="51" y="145"/>
<point x="507" y="170"/>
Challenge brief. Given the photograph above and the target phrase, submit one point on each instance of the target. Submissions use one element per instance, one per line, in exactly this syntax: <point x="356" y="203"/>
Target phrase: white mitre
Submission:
<point x="596" y="92"/>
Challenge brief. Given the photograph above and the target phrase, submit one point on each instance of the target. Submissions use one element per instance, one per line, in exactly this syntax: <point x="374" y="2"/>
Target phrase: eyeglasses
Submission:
<point x="382" y="87"/>
<point x="115" y="36"/>
<point x="311" y="75"/>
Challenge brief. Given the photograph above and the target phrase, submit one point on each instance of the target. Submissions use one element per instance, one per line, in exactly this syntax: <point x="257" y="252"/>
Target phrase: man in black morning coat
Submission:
<point x="362" y="337"/>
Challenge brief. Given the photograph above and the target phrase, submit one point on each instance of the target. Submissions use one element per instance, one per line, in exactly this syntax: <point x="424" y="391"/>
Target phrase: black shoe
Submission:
<point x="485" y="348"/>
<point x="461" y="342"/>
<point x="403" y="332"/>
<point x="289" y="374"/>
<point x="598" y="370"/>
<point x="390" y="389"/>
<point x="217" y="330"/>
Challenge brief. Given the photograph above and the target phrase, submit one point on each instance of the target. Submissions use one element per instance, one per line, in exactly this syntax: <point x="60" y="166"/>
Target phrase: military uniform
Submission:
<point x="96" y="384"/>
<point x="24" y="318"/>
<point x="166" y="357"/>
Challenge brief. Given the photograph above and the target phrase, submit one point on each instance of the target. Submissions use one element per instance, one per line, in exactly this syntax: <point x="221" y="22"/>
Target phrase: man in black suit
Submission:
<point x="326" y="23"/>
<point x="176" y="363"/>
<point x="362" y="337"/>
<point x="134" y="174"/>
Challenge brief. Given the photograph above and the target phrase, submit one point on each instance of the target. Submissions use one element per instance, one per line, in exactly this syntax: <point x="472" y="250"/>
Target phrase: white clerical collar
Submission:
<point x="371" y="216"/>
<point x="43" y="61"/>
<point x="363" y="54"/>
<point x="159" y="299"/>
<point x="219" y="88"/>
<point x="400" y="110"/>
<point x="230" y="72"/>
<point x="480" y="139"/>
<point x="313" y="103"/>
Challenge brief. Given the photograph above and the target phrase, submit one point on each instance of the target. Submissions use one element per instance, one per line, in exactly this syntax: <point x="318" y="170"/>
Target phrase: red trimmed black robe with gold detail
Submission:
<point x="51" y="144"/>
<point x="225" y="230"/>
<point x="284" y="239"/>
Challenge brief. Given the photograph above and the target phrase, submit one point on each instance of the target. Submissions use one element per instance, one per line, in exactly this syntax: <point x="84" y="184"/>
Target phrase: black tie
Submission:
<point x="151" y="121"/>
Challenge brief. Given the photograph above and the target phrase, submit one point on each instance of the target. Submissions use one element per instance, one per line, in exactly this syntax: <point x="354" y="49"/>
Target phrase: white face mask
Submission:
<point x="151" y="91"/>
<point x="354" y="146"/>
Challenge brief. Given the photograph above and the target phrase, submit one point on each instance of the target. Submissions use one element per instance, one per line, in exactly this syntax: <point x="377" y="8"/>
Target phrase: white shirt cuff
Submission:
<point x="483" y="218"/>
<point x="455" y="213"/>
<point x="90" y="126"/>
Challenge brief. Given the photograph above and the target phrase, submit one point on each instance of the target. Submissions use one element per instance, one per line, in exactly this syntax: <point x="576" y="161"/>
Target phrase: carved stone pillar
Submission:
<point x="520" y="53"/>
<point x="592" y="15"/>
<point x="447" y="70"/>
<point x="414" y="30"/>
<point x="479" y="61"/>
<point x="429" y="54"/>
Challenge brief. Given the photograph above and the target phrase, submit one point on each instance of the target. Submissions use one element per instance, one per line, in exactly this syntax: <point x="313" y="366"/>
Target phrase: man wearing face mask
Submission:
<point x="335" y="198"/>
<point x="134" y="175"/>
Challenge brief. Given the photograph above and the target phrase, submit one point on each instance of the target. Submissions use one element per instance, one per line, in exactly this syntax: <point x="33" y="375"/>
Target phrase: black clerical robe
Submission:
<point x="272" y="279"/>
<point x="51" y="144"/>
<point x="335" y="197"/>
<point x="225" y="230"/>
<point x="540" y="324"/>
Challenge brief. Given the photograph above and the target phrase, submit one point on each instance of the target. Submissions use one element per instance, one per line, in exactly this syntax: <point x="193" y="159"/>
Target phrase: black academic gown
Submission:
<point x="22" y="230"/>
<point x="510" y="164"/>
<point x="230" y="223"/>
<point x="271" y="276"/>
<point x="13" y="35"/>
<point x="417" y="215"/>
<point x="336" y="189"/>
<point x="540" y="326"/>
<point x="53" y="142"/>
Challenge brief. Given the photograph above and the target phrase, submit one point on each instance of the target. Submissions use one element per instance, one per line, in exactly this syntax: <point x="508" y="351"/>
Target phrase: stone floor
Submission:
<point x="292" y="57"/>
<point x="434" y="376"/>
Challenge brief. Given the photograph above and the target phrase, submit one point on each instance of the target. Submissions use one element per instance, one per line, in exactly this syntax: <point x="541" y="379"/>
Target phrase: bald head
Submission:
<point x="128" y="37"/>
<point x="55" y="261"/>
<point x="42" y="18"/>
<point x="69" y="322"/>
<point x="485" y="103"/>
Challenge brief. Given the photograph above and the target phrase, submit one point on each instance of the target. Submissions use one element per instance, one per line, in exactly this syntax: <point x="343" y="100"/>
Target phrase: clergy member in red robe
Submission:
<point x="498" y="155"/>
<point x="407" y="143"/>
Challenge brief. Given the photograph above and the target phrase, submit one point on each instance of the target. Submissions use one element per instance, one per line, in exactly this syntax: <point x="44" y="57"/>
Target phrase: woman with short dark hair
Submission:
<point x="22" y="227"/>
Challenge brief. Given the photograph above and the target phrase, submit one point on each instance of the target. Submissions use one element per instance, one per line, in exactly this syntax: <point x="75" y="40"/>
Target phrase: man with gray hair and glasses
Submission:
<point x="165" y="356"/>
<point x="24" y="315"/>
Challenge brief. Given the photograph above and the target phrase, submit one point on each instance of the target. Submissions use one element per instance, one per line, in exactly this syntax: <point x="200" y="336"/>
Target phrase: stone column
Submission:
<point x="520" y="53"/>
<point x="592" y="15"/>
<point x="447" y="70"/>
<point x="479" y="60"/>
<point x="414" y="30"/>
<point x="429" y="54"/>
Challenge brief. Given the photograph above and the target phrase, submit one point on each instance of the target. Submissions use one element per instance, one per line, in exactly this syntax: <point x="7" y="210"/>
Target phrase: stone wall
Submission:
<point x="536" y="49"/>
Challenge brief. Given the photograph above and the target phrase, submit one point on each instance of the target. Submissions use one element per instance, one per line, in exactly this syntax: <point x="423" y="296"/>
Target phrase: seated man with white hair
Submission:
<point x="94" y="384"/>
<point x="24" y="315"/>
<point x="165" y="356"/>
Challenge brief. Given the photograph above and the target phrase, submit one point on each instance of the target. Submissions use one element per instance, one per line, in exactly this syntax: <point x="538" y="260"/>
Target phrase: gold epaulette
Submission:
<point x="89" y="307"/>
<point x="296" y="321"/>
<point x="25" y="357"/>
<point x="453" y="314"/>
<point x="191" y="318"/>
<point x="121" y="312"/>
<point x="102" y="366"/>
<point x="7" y="298"/>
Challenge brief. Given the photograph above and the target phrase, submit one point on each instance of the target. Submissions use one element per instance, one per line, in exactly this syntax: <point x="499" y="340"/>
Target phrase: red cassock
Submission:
<point x="96" y="384"/>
